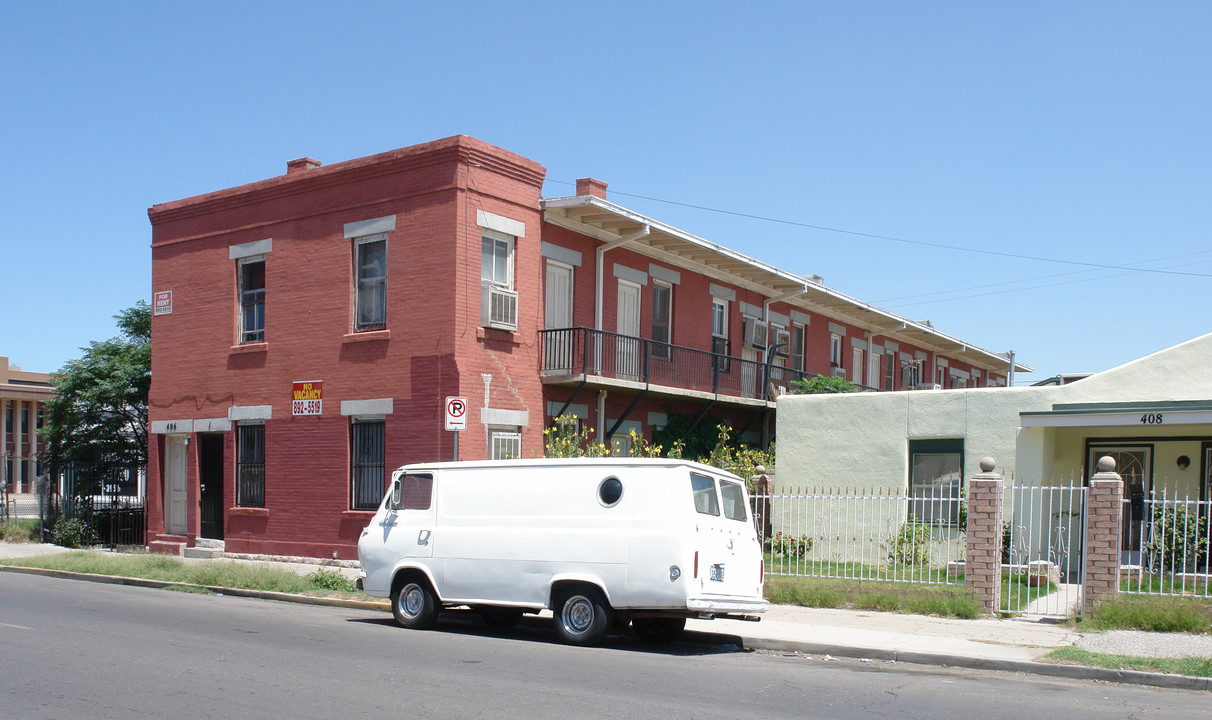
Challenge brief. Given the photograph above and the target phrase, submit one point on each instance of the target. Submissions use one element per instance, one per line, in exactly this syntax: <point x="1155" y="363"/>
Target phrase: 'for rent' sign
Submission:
<point x="307" y="397"/>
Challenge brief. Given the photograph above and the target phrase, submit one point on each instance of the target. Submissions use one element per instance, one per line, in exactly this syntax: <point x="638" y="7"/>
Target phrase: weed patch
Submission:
<point x="1154" y="614"/>
<point x="942" y="600"/>
<point x="1193" y="666"/>
<point x="209" y="573"/>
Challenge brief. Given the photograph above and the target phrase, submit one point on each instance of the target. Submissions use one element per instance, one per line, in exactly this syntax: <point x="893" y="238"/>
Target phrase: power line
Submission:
<point x="922" y="243"/>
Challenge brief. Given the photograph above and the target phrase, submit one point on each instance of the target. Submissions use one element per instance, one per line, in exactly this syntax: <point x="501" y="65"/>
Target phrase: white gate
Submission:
<point x="1042" y="549"/>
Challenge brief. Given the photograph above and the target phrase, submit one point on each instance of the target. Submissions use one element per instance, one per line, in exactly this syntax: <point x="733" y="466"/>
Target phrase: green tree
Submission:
<point x="99" y="413"/>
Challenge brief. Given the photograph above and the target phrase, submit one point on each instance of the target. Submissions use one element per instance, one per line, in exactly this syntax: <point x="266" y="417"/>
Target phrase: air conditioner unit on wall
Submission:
<point x="837" y="372"/>
<point x="498" y="307"/>
<point x="756" y="333"/>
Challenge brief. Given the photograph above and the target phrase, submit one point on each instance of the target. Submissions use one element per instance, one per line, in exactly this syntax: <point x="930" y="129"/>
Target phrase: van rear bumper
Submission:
<point x="716" y="607"/>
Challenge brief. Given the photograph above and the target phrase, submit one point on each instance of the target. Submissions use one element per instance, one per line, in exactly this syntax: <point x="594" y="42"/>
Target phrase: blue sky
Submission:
<point x="950" y="161"/>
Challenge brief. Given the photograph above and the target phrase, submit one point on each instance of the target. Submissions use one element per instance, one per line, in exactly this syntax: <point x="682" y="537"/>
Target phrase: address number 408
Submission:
<point x="1151" y="419"/>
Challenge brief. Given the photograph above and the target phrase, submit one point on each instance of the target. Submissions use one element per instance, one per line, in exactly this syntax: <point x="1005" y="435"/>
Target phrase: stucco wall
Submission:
<point x="861" y="440"/>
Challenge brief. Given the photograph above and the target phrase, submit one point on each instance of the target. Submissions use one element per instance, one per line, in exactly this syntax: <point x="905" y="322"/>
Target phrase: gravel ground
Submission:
<point x="1147" y="644"/>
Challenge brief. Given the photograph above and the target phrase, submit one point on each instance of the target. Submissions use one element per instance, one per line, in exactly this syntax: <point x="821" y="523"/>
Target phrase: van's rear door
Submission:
<point x="729" y="559"/>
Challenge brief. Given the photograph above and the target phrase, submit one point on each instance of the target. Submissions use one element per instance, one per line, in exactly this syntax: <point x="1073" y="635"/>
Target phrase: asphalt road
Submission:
<point x="72" y="649"/>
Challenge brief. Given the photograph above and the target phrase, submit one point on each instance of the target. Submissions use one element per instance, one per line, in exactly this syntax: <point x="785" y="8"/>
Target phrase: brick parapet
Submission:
<point x="982" y="559"/>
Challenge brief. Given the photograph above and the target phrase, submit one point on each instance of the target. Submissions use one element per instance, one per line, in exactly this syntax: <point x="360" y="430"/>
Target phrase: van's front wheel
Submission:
<point x="415" y="606"/>
<point x="582" y="616"/>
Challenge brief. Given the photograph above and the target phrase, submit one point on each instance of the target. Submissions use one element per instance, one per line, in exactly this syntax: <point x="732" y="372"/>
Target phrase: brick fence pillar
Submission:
<point x="983" y="556"/>
<point x="761" y="500"/>
<point x="1101" y="560"/>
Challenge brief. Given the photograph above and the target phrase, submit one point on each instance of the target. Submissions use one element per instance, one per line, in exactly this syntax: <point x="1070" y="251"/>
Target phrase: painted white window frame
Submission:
<point x="500" y="243"/>
<point x="835" y="350"/>
<point x="661" y="347"/>
<point x="362" y="284"/>
<point x="797" y="347"/>
<point x="243" y="331"/>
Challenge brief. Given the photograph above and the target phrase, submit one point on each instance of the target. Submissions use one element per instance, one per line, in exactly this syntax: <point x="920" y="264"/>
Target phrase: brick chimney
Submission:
<point x="294" y="166"/>
<point x="589" y="186"/>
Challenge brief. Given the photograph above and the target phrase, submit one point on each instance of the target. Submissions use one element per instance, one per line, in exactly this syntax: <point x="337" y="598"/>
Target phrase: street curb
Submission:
<point x="1075" y="672"/>
<point x="701" y="637"/>
<point x="382" y="605"/>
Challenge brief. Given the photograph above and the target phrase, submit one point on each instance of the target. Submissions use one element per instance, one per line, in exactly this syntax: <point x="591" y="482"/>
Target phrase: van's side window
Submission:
<point x="734" y="500"/>
<point x="417" y="492"/>
<point x="705" y="500"/>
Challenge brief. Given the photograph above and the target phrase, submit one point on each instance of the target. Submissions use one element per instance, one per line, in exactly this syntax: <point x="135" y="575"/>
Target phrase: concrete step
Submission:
<point x="202" y="552"/>
<point x="209" y="544"/>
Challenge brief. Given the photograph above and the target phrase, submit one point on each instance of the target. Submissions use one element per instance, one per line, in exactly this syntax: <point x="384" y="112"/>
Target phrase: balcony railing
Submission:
<point x="582" y="351"/>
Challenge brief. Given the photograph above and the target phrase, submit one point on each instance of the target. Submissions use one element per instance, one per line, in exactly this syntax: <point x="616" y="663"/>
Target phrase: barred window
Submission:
<point x="505" y="445"/>
<point x="366" y="463"/>
<point x="250" y="465"/>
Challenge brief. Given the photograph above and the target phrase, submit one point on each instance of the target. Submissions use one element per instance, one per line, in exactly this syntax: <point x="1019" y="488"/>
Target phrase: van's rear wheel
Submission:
<point x="415" y="606"/>
<point x="658" y="630"/>
<point x="582" y="616"/>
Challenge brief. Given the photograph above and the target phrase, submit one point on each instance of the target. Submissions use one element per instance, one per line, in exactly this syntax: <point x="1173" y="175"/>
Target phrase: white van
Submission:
<point x="600" y="542"/>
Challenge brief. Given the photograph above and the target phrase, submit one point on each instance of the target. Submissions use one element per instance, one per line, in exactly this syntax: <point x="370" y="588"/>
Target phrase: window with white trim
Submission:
<point x="719" y="334"/>
<point x="370" y="292"/>
<point x="835" y="350"/>
<point x="662" y="319"/>
<point x="252" y="299"/>
<point x="797" y="347"/>
<point x="496" y="259"/>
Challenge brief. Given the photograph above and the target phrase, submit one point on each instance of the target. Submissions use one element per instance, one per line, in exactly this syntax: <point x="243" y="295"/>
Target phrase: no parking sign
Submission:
<point x="456" y="413"/>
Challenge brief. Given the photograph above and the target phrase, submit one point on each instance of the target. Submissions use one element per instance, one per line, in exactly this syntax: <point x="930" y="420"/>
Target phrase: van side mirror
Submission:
<point x="395" y="495"/>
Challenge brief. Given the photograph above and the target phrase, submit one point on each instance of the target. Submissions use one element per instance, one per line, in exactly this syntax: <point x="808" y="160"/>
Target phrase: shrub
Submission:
<point x="326" y="579"/>
<point x="910" y="546"/>
<point x="73" y="533"/>
<point x="1179" y="539"/>
<point x="788" y="545"/>
<point x="820" y="385"/>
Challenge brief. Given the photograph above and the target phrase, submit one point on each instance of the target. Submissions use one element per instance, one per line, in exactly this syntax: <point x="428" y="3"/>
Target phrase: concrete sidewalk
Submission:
<point x="1016" y="645"/>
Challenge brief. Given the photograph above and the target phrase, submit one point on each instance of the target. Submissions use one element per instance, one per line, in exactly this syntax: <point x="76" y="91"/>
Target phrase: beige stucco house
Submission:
<point x="1153" y="415"/>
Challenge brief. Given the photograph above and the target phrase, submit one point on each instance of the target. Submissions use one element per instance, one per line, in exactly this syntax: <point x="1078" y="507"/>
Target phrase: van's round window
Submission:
<point x="610" y="491"/>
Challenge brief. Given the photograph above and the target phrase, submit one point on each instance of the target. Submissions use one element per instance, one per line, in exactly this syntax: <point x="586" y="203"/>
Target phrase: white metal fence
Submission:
<point x="1042" y="549"/>
<point x="864" y="535"/>
<point x="1167" y="538"/>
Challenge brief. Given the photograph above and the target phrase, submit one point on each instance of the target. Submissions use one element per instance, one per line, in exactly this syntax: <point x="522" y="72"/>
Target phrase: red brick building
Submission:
<point x="308" y="328"/>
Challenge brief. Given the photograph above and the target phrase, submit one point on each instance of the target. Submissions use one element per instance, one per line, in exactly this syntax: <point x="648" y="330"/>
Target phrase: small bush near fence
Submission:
<point x="788" y="546"/>
<point x="910" y="546"/>
<point x="1179" y="538"/>
<point x="73" y="533"/>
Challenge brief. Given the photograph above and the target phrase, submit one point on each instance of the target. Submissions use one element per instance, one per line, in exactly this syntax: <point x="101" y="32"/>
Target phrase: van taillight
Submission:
<point x="696" y="564"/>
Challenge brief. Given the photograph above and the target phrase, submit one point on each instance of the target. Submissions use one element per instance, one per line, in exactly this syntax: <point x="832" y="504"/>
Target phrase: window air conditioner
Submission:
<point x="837" y="372"/>
<point x="498" y="307"/>
<point x="756" y="333"/>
